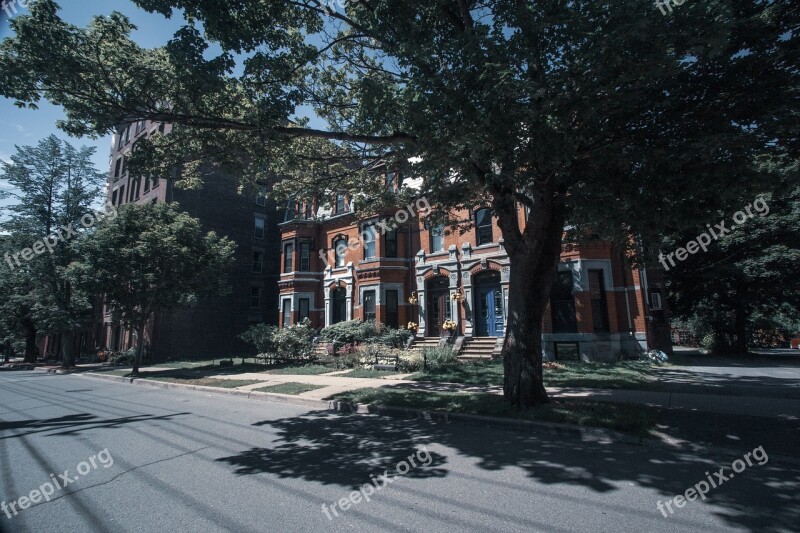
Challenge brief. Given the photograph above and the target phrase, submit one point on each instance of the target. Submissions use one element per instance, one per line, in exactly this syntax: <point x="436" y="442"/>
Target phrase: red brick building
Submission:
<point x="335" y="267"/>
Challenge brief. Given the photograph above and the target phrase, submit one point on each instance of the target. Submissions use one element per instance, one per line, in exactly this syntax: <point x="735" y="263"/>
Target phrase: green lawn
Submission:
<point x="619" y="375"/>
<point x="368" y="373"/>
<point x="299" y="370"/>
<point x="479" y="373"/>
<point x="630" y="418"/>
<point x="206" y="382"/>
<point x="290" y="388"/>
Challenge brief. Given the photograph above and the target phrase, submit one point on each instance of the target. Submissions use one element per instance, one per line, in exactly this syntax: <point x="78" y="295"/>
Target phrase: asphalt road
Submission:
<point x="190" y="461"/>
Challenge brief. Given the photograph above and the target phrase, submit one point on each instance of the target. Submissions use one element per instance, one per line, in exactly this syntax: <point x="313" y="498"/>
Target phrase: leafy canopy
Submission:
<point x="150" y="258"/>
<point x="584" y="103"/>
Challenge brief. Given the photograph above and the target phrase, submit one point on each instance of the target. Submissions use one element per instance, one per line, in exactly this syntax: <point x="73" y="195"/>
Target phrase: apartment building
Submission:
<point x="211" y="328"/>
<point x="336" y="267"/>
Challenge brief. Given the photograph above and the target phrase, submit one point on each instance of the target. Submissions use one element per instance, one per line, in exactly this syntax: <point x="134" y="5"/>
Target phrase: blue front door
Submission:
<point x="489" y="321"/>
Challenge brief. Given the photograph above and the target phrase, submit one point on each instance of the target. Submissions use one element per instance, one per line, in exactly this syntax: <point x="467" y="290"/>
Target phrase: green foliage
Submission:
<point x="351" y="332"/>
<point x="746" y="283"/>
<point x="149" y="258"/>
<point x="439" y="358"/>
<point x="294" y="342"/>
<point x="125" y="358"/>
<point x="410" y="361"/>
<point x="261" y="336"/>
<point x="395" y="338"/>
<point x="54" y="185"/>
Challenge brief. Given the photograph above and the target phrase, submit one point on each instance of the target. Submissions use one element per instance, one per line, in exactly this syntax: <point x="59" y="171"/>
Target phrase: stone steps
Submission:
<point x="479" y="348"/>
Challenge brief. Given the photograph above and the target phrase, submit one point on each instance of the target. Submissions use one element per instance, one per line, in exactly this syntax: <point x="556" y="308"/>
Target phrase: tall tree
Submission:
<point x="747" y="280"/>
<point x="17" y="301"/>
<point x="54" y="187"/>
<point x="152" y="258"/>
<point x="609" y="116"/>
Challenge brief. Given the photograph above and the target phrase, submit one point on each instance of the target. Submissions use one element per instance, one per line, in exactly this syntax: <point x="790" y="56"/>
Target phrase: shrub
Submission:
<point x="349" y="360"/>
<point x="123" y="358"/>
<point x="395" y="338"/>
<point x="260" y="336"/>
<point x="376" y="350"/>
<point x="410" y="361"/>
<point x="351" y="332"/>
<point x="294" y="342"/>
<point x="708" y="341"/>
<point x="654" y="356"/>
<point x="439" y="358"/>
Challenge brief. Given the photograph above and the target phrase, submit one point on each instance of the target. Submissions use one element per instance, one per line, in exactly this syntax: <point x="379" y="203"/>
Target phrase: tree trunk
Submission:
<point x="522" y="349"/>
<point x="7" y="357"/>
<point x="533" y="254"/>
<point x="67" y="357"/>
<point x="741" y="318"/>
<point x="137" y="361"/>
<point x="30" y="343"/>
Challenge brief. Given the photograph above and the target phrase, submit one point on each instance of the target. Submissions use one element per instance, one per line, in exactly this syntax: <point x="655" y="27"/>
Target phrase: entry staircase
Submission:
<point x="479" y="348"/>
<point x="471" y="349"/>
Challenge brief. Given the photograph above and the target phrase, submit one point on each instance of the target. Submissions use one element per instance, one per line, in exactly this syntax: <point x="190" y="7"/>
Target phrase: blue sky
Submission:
<point x="27" y="127"/>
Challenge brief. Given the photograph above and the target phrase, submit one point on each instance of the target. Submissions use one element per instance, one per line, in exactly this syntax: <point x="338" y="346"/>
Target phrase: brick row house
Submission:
<point x="210" y="328"/>
<point x="336" y="267"/>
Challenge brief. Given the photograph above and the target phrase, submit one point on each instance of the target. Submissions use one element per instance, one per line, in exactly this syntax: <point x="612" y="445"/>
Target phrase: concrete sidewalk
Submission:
<point x="754" y="404"/>
<point x="783" y="409"/>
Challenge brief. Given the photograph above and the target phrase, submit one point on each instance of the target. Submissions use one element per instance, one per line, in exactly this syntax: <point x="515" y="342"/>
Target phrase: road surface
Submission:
<point x="150" y="459"/>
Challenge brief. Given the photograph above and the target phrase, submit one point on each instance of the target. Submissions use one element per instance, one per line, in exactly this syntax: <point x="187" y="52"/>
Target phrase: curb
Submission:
<point x="564" y="430"/>
<point x="254" y="395"/>
<point x="52" y="370"/>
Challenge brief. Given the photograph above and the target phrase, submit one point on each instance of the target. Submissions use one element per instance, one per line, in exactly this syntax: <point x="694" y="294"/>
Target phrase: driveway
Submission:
<point x="759" y="375"/>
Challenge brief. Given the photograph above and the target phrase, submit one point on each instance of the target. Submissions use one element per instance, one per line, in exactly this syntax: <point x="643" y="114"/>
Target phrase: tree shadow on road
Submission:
<point x="71" y="424"/>
<point x="345" y="450"/>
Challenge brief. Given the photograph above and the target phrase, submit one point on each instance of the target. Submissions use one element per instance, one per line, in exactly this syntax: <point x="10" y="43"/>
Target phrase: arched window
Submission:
<point x="339" y="251"/>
